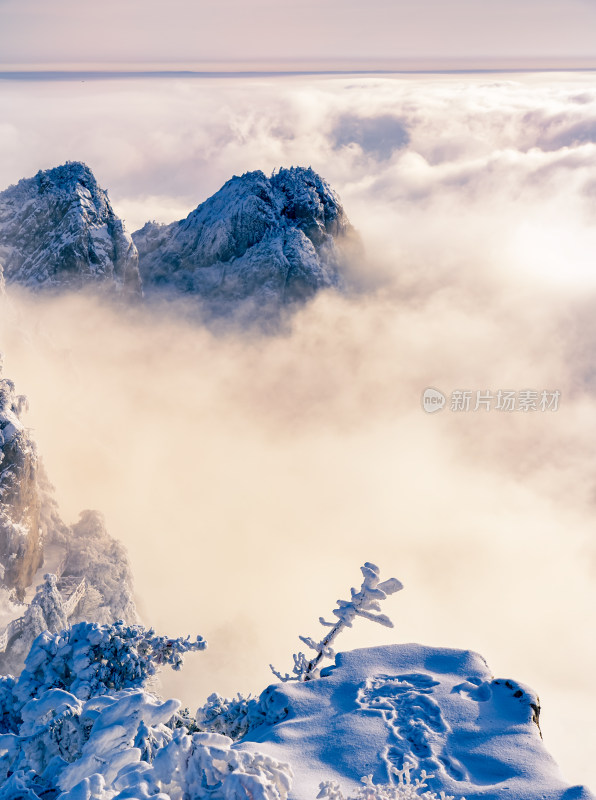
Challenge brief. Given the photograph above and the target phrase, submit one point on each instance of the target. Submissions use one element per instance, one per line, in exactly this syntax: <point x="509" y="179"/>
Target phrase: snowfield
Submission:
<point x="439" y="710"/>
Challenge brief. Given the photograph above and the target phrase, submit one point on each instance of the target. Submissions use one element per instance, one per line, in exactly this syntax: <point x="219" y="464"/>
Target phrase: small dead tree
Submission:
<point x="364" y="603"/>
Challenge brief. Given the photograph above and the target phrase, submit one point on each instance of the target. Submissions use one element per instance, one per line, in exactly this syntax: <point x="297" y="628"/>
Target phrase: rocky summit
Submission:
<point x="58" y="230"/>
<point x="270" y="241"/>
<point x="256" y="246"/>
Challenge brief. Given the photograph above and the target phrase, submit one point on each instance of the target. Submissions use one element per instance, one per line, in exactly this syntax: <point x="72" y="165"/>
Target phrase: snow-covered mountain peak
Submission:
<point x="257" y="245"/>
<point x="58" y="230"/>
<point x="258" y="241"/>
<point x="72" y="178"/>
<point x="311" y="202"/>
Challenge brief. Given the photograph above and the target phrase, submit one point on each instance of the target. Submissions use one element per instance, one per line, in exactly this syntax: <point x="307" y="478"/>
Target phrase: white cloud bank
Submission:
<point x="276" y="466"/>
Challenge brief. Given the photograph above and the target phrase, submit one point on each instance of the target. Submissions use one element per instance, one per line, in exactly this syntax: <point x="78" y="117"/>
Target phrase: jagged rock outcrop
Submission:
<point x="21" y="529"/>
<point x="270" y="241"/>
<point x="91" y="552"/>
<point x="92" y="578"/>
<point x="58" y="230"/>
<point x="258" y="244"/>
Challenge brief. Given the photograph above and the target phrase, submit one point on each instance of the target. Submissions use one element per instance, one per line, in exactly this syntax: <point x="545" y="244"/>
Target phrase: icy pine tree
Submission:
<point x="90" y="659"/>
<point x="364" y="603"/>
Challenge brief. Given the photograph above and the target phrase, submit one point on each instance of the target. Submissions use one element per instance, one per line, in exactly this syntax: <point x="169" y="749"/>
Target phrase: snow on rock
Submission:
<point x="257" y="242"/>
<point x="258" y="245"/>
<point x="92" y="580"/>
<point x="436" y="710"/>
<point x="102" y="560"/>
<point x="21" y="523"/>
<point x="403" y="722"/>
<point x="58" y="230"/>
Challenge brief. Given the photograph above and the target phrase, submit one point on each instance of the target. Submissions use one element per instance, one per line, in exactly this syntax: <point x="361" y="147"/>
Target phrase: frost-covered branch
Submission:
<point x="364" y="603"/>
<point x="402" y="787"/>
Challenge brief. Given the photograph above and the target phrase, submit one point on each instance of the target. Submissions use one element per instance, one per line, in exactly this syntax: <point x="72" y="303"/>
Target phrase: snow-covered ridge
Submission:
<point x="58" y="230"/>
<point x="257" y="245"/>
<point x="276" y="240"/>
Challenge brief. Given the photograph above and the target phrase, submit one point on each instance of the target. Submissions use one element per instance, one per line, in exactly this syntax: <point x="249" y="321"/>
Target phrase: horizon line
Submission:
<point x="297" y="67"/>
<point x="82" y="75"/>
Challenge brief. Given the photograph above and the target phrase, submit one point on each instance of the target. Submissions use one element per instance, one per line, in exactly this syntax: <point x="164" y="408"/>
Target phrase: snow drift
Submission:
<point x="436" y="710"/>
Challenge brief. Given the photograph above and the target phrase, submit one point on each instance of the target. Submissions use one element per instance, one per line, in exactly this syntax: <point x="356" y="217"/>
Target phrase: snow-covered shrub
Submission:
<point x="119" y="747"/>
<point x="126" y="729"/>
<point x="233" y="717"/>
<point x="404" y="787"/>
<point x="46" y="612"/>
<point x="90" y="659"/>
<point x="364" y="603"/>
<point x="205" y="765"/>
<point x="238" y="716"/>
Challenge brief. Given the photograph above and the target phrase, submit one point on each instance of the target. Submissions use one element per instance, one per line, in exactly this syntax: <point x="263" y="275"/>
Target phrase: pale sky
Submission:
<point x="194" y="31"/>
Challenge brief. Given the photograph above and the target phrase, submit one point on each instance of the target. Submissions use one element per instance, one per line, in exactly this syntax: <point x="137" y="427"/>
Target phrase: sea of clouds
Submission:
<point x="250" y="476"/>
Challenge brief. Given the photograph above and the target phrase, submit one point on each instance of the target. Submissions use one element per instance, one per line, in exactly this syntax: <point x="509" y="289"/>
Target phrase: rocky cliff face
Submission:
<point x="20" y="496"/>
<point x="33" y="535"/>
<point x="58" y="230"/>
<point x="273" y="241"/>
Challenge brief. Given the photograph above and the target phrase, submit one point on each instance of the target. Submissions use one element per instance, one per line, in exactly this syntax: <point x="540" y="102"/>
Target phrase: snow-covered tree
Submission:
<point x="79" y="704"/>
<point x="363" y="603"/>
<point x="46" y="612"/>
<point x="233" y="717"/>
<point x="90" y="659"/>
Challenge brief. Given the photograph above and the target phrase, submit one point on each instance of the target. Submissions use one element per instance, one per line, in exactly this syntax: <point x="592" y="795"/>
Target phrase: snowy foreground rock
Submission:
<point x="437" y="710"/>
<point x="414" y="722"/>
<point x="58" y="230"/>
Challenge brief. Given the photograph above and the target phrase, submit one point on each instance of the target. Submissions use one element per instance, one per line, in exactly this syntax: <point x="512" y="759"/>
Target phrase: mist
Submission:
<point x="249" y="476"/>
